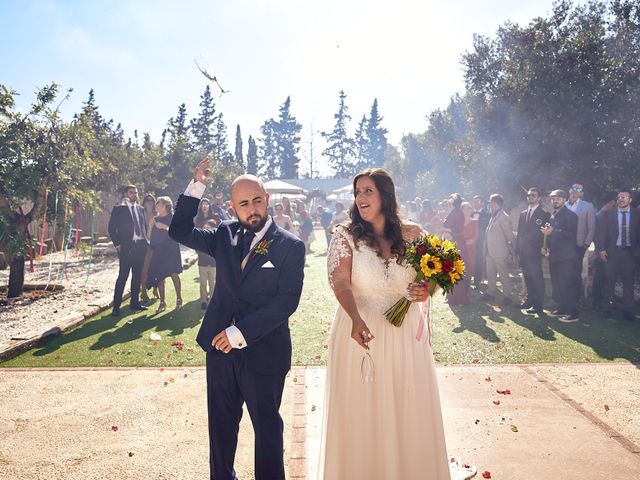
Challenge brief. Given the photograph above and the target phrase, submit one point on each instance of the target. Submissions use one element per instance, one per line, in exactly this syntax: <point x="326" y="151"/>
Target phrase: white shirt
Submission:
<point x="134" y="213"/>
<point x="196" y="190"/>
<point x="573" y="207"/>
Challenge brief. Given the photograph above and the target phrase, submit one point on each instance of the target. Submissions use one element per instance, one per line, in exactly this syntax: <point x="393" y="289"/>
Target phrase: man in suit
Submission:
<point x="561" y="248"/>
<point x="498" y="248"/>
<point x="482" y="215"/>
<point x="586" y="230"/>
<point x="529" y="250"/>
<point x="618" y="245"/>
<point x="597" y="288"/>
<point x="128" y="232"/>
<point x="245" y="331"/>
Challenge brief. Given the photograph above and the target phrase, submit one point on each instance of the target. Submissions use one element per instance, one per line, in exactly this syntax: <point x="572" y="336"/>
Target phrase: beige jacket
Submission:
<point x="499" y="240"/>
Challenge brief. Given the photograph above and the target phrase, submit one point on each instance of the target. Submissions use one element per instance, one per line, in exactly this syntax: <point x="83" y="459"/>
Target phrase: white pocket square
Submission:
<point x="268" y="265"/>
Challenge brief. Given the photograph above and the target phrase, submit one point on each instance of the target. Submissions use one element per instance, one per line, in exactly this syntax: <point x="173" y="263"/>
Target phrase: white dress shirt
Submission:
<point x="196" y="190"/>
<point x="134" y="216"/>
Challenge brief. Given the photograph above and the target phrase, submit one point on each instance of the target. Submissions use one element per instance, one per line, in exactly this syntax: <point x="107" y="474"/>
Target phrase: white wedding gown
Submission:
<point x="390" y="429"/>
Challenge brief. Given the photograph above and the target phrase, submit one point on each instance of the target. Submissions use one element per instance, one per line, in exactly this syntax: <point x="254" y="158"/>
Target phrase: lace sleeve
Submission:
<point x="339" y="257"/>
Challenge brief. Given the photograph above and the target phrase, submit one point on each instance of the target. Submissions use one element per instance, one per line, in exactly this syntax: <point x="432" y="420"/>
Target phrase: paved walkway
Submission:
<point x="553" y="425"/>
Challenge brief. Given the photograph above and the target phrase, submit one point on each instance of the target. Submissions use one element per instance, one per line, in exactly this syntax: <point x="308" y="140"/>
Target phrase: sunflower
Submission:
<point x="458" y="266"/>
<point x="448" y="245"/>
<point x="430" y="265"/>
<point x="434" y="241"/>
<point x="454" y="277"/>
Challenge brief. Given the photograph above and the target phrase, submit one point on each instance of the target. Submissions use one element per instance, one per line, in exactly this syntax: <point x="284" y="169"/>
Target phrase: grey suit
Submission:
<point x="499" y="248"/>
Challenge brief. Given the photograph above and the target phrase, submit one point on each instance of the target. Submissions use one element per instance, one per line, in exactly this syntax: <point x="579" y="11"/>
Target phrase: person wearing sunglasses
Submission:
<point x="529" y="241"/>
<point x="586" y="230"/>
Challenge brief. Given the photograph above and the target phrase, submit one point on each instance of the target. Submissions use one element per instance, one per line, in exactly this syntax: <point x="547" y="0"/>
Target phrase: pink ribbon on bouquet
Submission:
<point x="425" y="320"/>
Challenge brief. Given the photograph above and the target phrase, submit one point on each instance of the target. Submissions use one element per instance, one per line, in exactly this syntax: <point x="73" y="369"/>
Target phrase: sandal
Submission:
<point x="162" y="307"/>
<point x="178" y="303"/>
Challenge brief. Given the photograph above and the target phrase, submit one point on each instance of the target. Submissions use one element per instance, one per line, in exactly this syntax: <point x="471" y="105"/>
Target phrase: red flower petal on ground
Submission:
<point x="486" y="474"/>
<point x="114" y="428"/>
<point x="488" y="379"/>
<point x="606" y="407"/>
<point x="496" y="402"/>
<point x="453" y="460"/>
<point x="185" y="375"/>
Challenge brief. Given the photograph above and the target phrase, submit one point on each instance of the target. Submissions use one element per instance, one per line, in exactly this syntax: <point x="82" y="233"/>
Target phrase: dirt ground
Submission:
<point x="58" y="425"/>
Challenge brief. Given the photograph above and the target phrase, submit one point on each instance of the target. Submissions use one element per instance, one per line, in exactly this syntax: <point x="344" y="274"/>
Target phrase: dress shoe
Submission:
<point x="525" y="305"/>
<point x="138" y="308"/>
<point x="539" y="311"/>
<point x="558" y="313"/>
<point x="115" y="313"/>
<point x="568" y="318"/>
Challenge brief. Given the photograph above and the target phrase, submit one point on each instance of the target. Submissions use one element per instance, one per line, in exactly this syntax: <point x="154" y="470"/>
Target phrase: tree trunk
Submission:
<point x="16" y="277"/>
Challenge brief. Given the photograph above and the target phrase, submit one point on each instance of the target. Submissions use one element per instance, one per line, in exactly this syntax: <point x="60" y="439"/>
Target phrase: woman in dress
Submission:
<point x="149" y="205"/>
<point x="390" y="428"/>
<point x="205" y="213"/>
<point x="165" y="261"/>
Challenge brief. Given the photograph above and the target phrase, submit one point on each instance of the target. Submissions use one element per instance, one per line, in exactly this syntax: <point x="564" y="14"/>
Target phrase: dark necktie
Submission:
<point x="624" y="237"/>
<point x="247" y="238"/>
<point x="528" y="215"/>
<point x="136" y="225"/>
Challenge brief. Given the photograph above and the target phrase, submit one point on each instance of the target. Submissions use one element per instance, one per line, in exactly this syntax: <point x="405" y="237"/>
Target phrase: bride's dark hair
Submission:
<point x="362" y="230"/>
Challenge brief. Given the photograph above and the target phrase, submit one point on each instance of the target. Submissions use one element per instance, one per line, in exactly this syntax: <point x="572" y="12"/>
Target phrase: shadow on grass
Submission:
<point x="129" y="328"/>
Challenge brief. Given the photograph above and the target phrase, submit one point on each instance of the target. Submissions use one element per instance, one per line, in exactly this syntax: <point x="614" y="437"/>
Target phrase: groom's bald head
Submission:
<point x="250" y="200"/>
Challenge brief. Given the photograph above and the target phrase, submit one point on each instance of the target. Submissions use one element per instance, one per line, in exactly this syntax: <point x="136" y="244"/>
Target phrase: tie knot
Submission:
<point x="247" y="238"/>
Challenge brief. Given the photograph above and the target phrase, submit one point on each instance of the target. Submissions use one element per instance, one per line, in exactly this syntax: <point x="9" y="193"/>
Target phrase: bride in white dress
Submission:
<point x="389" y="427"/>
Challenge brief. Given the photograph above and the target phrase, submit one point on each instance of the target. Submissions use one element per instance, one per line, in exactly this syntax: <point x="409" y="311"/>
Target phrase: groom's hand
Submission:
<point x="221" y="342"/>
<point x="201" y="172"/>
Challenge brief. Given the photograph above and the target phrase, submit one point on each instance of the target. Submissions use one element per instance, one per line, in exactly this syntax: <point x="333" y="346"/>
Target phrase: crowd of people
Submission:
<point x="493" y="242"/>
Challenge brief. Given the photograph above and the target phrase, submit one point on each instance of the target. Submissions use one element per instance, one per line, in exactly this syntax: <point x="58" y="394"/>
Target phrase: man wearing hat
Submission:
<point x="561" y="248"/>
<point x="586" y="229"/>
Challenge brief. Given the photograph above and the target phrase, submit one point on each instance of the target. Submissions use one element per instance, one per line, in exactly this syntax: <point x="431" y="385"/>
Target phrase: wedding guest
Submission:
<point x="306" y="229"/>
<point x="166" y="260"/>
<point x="149" y="205"/>
<point x="598" y="285"/>
<point x="499" y="250"/>
<point x="482" y="215"/>
<point x="286" y="205"/>
<point x="205" y="213"/>
<point x="282" y="220"/>
<point x="340" y="216"/>
<point x="325" y="217"/>
<point x="207" y="270"/>
<point x="220" y="207"/>
<point x="561" y="232"/>
<point x="127" y="229"/>
<point x="460" y="295"/>
<point x="618" y="246"/>
<point x="529" y="250"/>
<point x="586" y="230"/>
<point x="426" y="215"/>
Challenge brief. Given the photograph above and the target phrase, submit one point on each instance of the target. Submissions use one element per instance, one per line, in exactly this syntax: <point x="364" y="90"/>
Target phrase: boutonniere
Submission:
<point x="262" y="248"/>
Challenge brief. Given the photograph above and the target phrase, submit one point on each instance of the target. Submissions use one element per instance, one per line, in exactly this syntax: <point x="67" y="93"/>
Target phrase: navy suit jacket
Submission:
<point x="121" y="224"/>
<point x="562" y="240"/>
<point x="260" y="300"/>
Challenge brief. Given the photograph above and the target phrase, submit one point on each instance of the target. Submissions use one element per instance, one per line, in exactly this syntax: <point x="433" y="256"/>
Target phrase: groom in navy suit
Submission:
<point x="245" y="331"/>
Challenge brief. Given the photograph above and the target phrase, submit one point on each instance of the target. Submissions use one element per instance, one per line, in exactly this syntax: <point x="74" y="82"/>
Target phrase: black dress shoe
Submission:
<point x="525" y="305"/>
<point x="569" y="318"/>
<point x="115" y="313"/>
<point x="138" y="308"/>
<point x="539" y="311"/>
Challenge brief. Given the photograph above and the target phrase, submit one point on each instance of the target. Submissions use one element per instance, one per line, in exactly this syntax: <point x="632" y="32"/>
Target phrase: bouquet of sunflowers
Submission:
<point x="436" y="262"/>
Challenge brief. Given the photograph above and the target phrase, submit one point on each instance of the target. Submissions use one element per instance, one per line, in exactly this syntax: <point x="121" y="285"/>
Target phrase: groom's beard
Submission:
<point x="255" y="227"/>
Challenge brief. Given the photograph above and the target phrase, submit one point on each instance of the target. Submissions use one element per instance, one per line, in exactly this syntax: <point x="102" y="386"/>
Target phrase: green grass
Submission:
<point x="476" y="333"/>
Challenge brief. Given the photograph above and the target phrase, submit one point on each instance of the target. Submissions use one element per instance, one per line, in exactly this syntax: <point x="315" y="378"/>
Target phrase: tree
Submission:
<point x="341" y="147"/>
<point x="376" y="136"/>
<point x="287" y="140"/>
<point x="361" y="145"/>
<point x="252" y="157"/>
<point x="179" y="157"/>
<point x="238" y="152"/>
<point x="269" y="158"/>
<point x="203" y="126"/>
<point x="38" y="153"/>
<point x="220" y="142"/>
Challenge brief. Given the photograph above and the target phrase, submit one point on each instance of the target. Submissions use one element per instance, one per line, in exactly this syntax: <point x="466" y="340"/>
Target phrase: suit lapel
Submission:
<point x="255" y="258"/>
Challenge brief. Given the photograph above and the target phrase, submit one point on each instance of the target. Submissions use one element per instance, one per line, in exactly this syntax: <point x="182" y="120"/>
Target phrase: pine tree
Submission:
<point x="362" y="145"/>
<point x="288" y="139"/>
<point x="239" y="157"/>
<point x="341" y="148"/>
<point x="376" y="136"/>
<point x="252" y="157"/>
<point x="269" y="159"/>
<point x="202" y="127"/>
<point x="220" y="144"/>
<point x="178" y="159"/>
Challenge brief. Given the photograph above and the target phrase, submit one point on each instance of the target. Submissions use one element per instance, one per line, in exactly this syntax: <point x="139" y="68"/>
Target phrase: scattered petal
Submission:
<point x="486" y="474"/>
<point x="114" y="428"/>
<point x="102" y="349"/>
<point x="317" y="357"/>
<point x="504" y="392"/>
<point x="488" y="379"/>
<point x="155" y="337"/>
<point x="477" y="421"/>
<point x="496" y="402"/>
<point x="514" y="428"/>
<point x="185" y="375"/>
<point x="606" y="407"/>
<point x="131" y="454"/>
<point x="162" y="369"/>
<point x="313" y="408"/>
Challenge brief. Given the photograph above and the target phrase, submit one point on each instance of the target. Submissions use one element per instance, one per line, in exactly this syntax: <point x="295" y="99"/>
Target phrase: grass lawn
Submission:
<point x="476" y="333"/>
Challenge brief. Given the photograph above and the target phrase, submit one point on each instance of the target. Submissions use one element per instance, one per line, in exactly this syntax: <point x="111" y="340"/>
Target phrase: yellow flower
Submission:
<point x="430" y="265"/>
<point x="454" y="277"/>
<point x="458" y="265"/>
<point x="434" y="241"/>
<point x="448" y="245"/>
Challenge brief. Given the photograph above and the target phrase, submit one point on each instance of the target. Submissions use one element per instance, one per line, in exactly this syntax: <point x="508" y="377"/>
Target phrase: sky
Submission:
<point x="138" y="56"/>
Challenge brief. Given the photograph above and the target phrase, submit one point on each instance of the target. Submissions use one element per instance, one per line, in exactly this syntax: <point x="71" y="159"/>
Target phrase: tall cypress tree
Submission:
<point x="269" y="159"/>
<point x="252" y="157"/>
<point x="178" y="159"/>
<point x="202" y="127"/>
<point x="362" y="145"/>
<point x="220" y="143"/>
<point x="341" y="147"/>
<point x="239" y="157"/>
<point x="377" y="137"/>
<point x="288" y="139"/>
